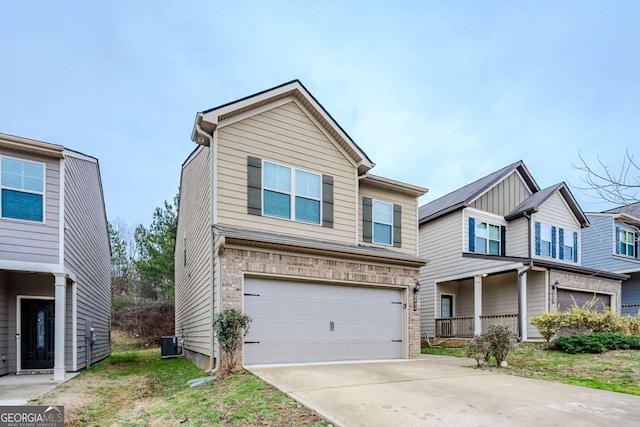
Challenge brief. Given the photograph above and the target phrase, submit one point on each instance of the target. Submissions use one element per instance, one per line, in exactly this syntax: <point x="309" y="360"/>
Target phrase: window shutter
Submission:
<point x="553" y="242"/>
<point x="472" y="235"/>
<point x="503" y="240"/>
<point x="561" y="242"/>
<point x="537" y="238"/>
<point x="617" y="240"/>
<point x="397" y="226"/>
<point x="254" y="185"/>
<point x="637" y="237"/>
<point x="327" y="201"/>
<point x="367" y="219"/>
<point x="575" y="247"/>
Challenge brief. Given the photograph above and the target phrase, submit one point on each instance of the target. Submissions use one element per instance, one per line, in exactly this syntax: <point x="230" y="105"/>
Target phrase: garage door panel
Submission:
<point x="566" y="298"/>
<point x="293" y="322"/>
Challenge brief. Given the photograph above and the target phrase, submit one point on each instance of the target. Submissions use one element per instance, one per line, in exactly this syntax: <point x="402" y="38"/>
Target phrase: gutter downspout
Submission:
<point x="214" y="362"/>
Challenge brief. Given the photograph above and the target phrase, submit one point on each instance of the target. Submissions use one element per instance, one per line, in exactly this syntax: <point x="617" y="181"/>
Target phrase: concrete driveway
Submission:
<point x="16" y="390"/>
<point x="435" y="390"/>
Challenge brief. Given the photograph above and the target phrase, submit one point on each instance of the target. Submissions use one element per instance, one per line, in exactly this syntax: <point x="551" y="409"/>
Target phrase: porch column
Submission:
<point x="522" y="305"/>
<point x="477" y="304"/>
<point x="61" y="304"/>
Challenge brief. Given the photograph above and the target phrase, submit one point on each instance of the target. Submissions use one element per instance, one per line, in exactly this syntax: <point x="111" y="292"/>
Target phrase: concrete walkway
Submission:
<point x="435" y="390"/>
<point x="19" y="389"/>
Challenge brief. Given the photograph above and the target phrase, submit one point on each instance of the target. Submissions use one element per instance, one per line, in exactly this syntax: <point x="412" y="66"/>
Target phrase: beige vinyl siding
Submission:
<point x="473" y="264"/>
<point x="518" y="237"/>
<point x="409" y="216"/>
<point x="285" y="135"/>
<point x="87" y="254"/>
<point x="193" y="296"/>
<point x="555" y="212"/>
<point x="536" y="291"/>
<point x="440" y="241"/>
<point x="503" y="197"/>
<point x="30" y="241"/>
<point x="500" y="294"/>
<point x="465" y="298"/>
<point x="4" y="324"/>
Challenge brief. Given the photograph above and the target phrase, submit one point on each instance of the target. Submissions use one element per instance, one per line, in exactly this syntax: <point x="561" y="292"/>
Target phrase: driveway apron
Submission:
<point x="435" y="390"/>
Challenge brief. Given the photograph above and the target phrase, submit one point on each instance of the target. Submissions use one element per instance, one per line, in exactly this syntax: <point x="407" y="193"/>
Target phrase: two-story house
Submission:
<point x="502" y="250"/>
<point x="611" y="243"/>
<point x="279" y="218"/>
<point x="55" y="259"/>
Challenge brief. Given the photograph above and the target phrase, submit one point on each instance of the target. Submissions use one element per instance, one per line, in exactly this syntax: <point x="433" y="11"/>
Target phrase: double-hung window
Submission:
<point x="568" y="248"/>
<point x="485" y="238"/>
<point x="382" y="222"/>
<point x="627" y="243"/>
<point x="291" y="193"/>
<point x="22" y="187"/>
<point x="545" y="240"/>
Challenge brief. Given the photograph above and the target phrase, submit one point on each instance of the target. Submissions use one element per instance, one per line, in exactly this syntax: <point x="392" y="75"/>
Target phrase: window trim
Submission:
<point x="374" y="222"/>
<point x="544" y="226"/>
<point x="628" y="231"/>
<point x="42" y="193"/>
<point x="488" y="238"/>
<point x="292" y="193"/>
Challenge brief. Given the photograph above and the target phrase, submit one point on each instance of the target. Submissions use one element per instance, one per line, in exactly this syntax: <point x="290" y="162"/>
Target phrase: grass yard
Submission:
<point x="617" y="370"/>
<point x="141" y="389"/>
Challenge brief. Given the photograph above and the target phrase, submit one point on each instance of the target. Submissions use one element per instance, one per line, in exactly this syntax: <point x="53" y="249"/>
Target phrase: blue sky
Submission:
<point x="437" y="93"/>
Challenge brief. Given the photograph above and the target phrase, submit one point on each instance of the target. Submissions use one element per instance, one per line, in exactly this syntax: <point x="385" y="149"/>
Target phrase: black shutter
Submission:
<point x="327" y="201"/>
<point x="503" y="240"/>
<point x="367" y="219"/>
<point x="254" y="185"/>
<point x="397" y="226"/>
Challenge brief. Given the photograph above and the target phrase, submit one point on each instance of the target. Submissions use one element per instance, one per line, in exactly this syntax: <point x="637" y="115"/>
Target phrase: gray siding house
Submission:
<point x="502" y="250"/>
<point x="280" y="218"/>
<point x="55" y="285"/>
<point x="611" y="243"/>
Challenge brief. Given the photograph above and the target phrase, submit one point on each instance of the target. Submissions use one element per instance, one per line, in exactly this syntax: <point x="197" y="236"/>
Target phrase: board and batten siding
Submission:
<point x="555" y="212"/>
<point x="284" y="135"/>
<point x="504" y="196"/>
<point x="409" y="216"/>
<point x="31" y="241"/>
<point x="88" y="255"/>
<point x="4" y="324"/>
<point x="194" y="238"/>
<point x="518" y="237"/>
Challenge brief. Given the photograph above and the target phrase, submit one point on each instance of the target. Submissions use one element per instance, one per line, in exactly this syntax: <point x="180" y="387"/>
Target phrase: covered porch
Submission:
<point x="466" y="307"/>
<point x="36" y="318"/>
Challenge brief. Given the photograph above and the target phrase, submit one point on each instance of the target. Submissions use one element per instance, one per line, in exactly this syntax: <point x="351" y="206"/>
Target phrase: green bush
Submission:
<point x="549" y="324"/>
<point x="596" y="343"/>
<point x="494" y="343"/>
<point x="231" y="327"/>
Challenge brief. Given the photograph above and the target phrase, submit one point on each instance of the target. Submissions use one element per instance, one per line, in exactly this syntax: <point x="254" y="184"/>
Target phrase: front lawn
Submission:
<point x="141" y="389"/>
<point x="617" y="370"/>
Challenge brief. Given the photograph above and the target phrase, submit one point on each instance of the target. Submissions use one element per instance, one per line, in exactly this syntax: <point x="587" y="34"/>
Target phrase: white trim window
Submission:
<point x="22" y="184"/>
<point x="545" y="240"/>
<point x="281" y="184"/>
<point x="627" y="243"/>
<point x="486" y="238"/>
<point x="382" y="222"/>
<point x="568" y="246"/>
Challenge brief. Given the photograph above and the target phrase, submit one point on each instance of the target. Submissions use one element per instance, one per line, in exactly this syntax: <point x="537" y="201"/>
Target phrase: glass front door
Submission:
<point x="37" y="334"/>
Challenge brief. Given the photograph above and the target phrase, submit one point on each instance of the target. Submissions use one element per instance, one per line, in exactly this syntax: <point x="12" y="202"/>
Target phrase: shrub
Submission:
<point x="479" y="350"/>
<point x="631" y="325"/>
<point x="596" y="343"/>
<point x="549" y="324"/>
<point x="231" y="327"/>
<point x="498" y="340"/>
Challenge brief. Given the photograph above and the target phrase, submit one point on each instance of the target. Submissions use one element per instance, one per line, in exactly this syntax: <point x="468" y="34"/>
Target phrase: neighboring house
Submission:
<point x="501" y="250"/>
<point x="55" y="278"/>
<point x="611" y="243"/>
<point x="279" y="218"/>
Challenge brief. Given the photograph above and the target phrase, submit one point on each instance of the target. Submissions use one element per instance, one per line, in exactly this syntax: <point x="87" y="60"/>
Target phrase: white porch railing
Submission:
<point x="455" y="327"/>
<point x="510" y="320"/>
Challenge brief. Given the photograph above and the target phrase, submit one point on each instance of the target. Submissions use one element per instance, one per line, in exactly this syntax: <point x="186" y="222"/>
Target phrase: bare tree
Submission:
<point x="618" y="184"/>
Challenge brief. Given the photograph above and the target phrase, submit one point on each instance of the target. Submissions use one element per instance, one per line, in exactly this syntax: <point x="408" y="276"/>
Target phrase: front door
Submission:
<point x="37" y="334"/>
<point x="446" y="312"/>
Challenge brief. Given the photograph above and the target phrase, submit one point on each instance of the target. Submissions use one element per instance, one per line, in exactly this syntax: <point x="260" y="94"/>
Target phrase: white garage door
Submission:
<point x="308" y="322"/>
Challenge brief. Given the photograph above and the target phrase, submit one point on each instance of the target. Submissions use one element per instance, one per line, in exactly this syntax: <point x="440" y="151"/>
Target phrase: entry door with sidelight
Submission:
<point x="37" y="334"/>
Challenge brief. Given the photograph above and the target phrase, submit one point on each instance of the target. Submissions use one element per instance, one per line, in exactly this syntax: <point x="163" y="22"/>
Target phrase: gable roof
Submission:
<point x="532" y="203"/>
<point x="632" y="209"/>
<point x="208" y="120"/>
<point x="463" y="196"/>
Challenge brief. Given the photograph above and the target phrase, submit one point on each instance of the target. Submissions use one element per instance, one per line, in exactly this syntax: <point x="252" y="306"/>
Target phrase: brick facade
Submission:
<point x="588" y="283"/>
<point x="235" y="263"/>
